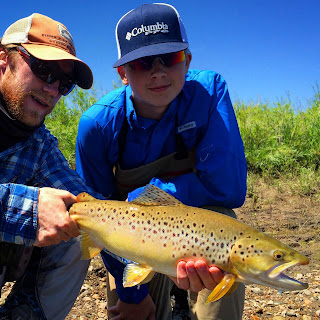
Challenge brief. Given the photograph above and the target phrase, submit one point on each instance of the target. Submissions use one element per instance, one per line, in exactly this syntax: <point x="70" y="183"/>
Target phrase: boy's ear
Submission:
<point x="122" y="74"/>
<point x="188" y="60"/>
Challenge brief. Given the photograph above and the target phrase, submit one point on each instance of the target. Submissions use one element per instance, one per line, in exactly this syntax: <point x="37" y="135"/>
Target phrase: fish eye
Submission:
<point x="278" y="255"/>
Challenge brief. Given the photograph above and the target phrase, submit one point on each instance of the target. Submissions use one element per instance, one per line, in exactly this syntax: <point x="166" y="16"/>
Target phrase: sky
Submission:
<point x="266" y="50"/>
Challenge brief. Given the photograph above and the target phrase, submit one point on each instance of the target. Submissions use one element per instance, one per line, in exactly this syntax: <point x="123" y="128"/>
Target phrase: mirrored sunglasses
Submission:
<point x="49" y="72"/>
<point x="168" y="59"/>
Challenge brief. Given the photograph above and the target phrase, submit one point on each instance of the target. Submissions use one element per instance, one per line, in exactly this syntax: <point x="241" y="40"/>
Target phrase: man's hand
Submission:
<point x="54" y="223"/>
<point x="197" y="275"/>
<point x="145" y="310"/>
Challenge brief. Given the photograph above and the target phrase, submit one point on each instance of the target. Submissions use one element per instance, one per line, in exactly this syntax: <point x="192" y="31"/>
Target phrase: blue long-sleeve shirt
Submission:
<point x="24" y="168"/>
<point x="204" y="116"/>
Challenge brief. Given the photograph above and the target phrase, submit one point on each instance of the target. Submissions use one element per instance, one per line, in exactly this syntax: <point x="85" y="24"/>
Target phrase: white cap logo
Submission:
<point x="151" y="29"/>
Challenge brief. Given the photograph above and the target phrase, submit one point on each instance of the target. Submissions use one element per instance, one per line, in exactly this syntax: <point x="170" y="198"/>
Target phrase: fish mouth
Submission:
<point x="287" y="283"/>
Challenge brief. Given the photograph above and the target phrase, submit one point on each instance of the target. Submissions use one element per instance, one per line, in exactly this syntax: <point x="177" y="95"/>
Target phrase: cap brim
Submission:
<point x="82" y="73"/>
<point x="152" y="50"/>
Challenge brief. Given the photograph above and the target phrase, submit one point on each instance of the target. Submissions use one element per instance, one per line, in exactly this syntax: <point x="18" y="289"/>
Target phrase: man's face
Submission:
<point x="27" y="98"/>
<point x="154" y="90"/>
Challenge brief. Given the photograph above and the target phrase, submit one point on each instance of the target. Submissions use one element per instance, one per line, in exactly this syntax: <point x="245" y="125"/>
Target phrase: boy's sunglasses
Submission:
<point x="168" y="59"/>
<point x="49" y="72"/>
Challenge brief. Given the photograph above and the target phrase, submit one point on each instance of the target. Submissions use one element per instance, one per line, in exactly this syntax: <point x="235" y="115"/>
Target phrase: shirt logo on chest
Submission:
<point x="187" y="126"/>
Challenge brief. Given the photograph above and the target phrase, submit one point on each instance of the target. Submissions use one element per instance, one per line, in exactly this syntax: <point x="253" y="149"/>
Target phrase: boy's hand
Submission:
<point x="197" y="275"/>
<point x="145" y="310"/>
<point x="54" y="223"/>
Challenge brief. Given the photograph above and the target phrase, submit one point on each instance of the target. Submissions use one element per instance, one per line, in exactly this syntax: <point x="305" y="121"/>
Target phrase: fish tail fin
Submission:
<point x="223" y="288"/>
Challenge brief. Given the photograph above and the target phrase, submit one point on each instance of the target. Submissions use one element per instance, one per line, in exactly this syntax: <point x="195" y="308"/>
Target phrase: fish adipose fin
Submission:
<point x="154" y="196"/>
<point x="85" y="197"/>
<point x="135" y="274"/>
<point x="222" y="288"/>
<point x="89" y="248"/>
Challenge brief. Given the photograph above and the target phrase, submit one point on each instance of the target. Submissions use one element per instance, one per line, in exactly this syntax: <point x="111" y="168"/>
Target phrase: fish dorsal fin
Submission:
<point x="154" y="196"/>
<point x="85" y="197"/>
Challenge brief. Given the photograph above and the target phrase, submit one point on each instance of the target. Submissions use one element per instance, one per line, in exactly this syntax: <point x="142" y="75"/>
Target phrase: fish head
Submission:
<point x="262" y="260"/>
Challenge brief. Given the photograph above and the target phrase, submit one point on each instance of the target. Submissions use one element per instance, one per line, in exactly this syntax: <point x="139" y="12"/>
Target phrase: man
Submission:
<point x="171" y="127"/>
<point x="38" y="64"/>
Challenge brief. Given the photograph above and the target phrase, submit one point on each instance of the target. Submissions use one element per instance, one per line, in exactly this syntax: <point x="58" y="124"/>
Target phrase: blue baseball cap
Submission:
<point x="149" y="30"/>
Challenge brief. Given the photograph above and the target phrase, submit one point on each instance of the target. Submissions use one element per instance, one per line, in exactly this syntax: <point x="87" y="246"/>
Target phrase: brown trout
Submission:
<point x="156" y="231"/>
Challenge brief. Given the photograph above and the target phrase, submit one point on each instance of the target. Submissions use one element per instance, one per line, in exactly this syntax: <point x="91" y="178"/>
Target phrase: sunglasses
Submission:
<point x="49" y="72"/>
<point x="168" y="59"/>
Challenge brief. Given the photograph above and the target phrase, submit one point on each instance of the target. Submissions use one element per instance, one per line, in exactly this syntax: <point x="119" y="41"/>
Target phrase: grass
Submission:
<point x="281" y="143"/>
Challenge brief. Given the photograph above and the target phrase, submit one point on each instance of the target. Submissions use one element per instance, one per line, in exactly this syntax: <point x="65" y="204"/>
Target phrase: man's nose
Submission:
<point x="52" y="89"/>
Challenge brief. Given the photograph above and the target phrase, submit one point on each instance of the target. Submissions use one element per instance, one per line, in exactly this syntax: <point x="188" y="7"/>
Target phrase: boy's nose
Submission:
<point x="158" y="66"/>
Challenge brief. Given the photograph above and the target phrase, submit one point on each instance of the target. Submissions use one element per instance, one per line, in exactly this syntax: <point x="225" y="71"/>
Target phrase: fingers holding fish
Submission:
<point x="54" y="223"/>
<point x="210" y="276"/>
<point x="182" y="280"/>
<point x="197" y="275"/>
<point x="201" y="276"/>
<point x="196" y="283"/>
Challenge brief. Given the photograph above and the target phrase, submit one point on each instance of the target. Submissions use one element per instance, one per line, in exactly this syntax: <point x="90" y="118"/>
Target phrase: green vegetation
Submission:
<point x="280" y="142"/>
<point x="63" y="121"/>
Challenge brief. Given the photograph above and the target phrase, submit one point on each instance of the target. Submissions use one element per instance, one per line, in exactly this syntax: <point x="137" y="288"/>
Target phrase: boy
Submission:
<point x="170" y="127"/>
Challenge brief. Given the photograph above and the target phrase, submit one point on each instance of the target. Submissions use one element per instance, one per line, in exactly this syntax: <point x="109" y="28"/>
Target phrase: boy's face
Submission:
<point x="153" y="90"/>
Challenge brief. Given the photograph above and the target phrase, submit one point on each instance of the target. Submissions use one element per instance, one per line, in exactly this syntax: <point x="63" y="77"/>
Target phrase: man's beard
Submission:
<point x="13" y="97"/>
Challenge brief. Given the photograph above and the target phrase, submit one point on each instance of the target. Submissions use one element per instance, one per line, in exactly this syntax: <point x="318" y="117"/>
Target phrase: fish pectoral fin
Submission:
<point x="222" y="288"/>
<point x="154" y="196"/>
<point x="135" y="274"/>
<point x="232" y="289"/>
<point x="148" y="278"/>
<point x="89" y="248"/>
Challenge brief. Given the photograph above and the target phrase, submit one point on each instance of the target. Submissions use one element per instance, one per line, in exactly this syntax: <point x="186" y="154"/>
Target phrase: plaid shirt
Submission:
<point x="24" y="168"/>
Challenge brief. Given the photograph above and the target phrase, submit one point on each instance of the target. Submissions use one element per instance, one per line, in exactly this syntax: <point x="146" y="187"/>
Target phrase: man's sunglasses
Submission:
<point x="168" y="59"/>
<point x="49" y="72"/>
